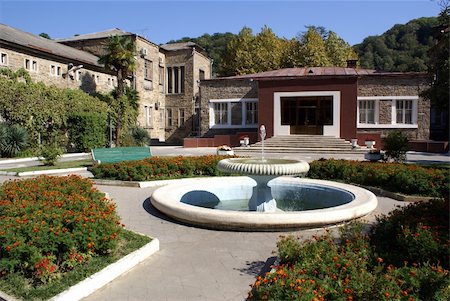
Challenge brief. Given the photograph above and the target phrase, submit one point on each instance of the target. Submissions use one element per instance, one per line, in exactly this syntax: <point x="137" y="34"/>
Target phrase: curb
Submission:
<point x="143" y="184"/>
<point x="397" y="196"/>
<point x="50" y="171"/>
<point x="109" y="273"/>
<point x="9" y="161"/>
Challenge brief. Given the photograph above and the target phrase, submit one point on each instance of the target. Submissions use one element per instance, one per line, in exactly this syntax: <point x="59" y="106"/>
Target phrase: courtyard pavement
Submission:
<point x="195" y="263"/>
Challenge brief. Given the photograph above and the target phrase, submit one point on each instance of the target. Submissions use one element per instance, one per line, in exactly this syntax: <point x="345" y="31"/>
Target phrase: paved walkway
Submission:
<point x="193" y="263"/>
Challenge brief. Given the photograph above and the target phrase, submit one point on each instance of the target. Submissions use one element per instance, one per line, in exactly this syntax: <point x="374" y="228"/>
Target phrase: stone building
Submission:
<point x="341" y="102"/>
<point x="52" y="63"/>
<point x="166" y="78"/>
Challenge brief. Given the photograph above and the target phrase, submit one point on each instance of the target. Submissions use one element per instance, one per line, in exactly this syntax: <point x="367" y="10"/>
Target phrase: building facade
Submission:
<point x="346" y="103"/>
<point x="166" y="77"/>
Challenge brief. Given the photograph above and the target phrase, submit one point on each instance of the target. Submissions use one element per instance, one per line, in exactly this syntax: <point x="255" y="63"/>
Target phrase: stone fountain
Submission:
<point x="269" y="197"/>
<point x="263" y="171"/>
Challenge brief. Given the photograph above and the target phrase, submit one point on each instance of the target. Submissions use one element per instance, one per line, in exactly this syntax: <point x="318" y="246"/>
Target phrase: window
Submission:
<point x="148" y="116"/>
<point x="148" y="70"/>
<point x="367" y="111"/>
<point x="31" y="65"/>
<point x="161" y="77"/>
<point x="175" y="80"/>
<point x="3" y="59"/>
<point x="234" y="113"/>
<point x="55" y="70"/>
<point x="201" y="74"/>
<point x="404" y="110"/>
<point x="220" y="113"/>
<point x="169" y="120"/>
<point x="78" y="75"/>
<point x="96" y="78"/>
<point x="111" y="82"/>
<point x="181" y="116"/>
<point x="251" y="113"/>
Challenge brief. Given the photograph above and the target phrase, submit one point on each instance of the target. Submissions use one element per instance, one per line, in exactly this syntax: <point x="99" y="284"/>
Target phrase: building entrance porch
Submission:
<point x="306" y="115"/>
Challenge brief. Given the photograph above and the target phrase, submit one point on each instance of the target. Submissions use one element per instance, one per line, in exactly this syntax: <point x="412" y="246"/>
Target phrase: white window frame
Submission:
<point x="32" y="64"/>
<point x="181" y="78"/>
<point x="55" y="70"/>
<point x="228" y="125"/>
<point x="393" y="124"/>
<point x="169" y="119"/>
<point x="181" y="121"/>
<point x="376" y="109"/>
<point x="148" y="112"/>
<point x="3" y="59"/>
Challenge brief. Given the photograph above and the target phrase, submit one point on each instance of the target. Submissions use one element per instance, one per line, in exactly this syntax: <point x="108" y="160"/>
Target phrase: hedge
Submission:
<point x="403" y="178"/>
<point x="159" y="168"/>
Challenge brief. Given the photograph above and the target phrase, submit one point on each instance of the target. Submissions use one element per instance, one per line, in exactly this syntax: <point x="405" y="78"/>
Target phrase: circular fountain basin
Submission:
<point x="221" y="203"/>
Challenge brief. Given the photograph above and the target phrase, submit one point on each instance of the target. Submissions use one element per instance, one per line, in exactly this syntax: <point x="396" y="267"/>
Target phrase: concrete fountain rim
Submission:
<point x="167" y="200"/>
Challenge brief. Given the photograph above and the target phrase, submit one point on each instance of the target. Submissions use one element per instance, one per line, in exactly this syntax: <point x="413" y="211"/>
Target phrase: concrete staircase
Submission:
<point x="302" y="144"/>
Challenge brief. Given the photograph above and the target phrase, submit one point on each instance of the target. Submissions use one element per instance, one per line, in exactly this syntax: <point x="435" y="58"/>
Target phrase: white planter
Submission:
<point x="225" y="152"/>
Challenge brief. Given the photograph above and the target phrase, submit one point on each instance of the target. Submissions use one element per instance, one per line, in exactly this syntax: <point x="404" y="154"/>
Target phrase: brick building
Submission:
<point x="341" y="102"/>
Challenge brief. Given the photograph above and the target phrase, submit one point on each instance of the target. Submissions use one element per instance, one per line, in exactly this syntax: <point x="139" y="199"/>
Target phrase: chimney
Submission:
<point x="352" y="63"/>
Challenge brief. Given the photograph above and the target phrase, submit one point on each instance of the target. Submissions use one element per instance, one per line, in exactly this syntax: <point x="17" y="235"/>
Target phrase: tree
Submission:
<point x="439" y="70"/>
<point x="120" y="58"/>
<point x="317" y="47"/>
<point x="239" y="56"/>
<point x="45" y="35"/>
<point x="313" y="49"/>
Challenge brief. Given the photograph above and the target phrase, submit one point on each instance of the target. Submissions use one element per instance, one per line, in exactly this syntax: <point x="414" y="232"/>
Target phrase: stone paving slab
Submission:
<point x="193" y="263"/>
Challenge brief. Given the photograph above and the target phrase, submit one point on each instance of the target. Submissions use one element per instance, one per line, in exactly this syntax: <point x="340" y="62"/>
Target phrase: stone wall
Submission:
<point x="222" y="89"/>
<point x="89" y="78"/>
<point x="405" y="85"/>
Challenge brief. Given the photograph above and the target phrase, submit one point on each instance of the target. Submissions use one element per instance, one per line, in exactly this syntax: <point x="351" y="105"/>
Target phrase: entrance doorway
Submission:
<point x="306" y="115"/>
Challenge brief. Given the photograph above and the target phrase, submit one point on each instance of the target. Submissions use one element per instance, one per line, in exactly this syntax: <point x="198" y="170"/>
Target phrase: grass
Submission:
<point x="19" y="286"/>
<point x="58" y="165"/>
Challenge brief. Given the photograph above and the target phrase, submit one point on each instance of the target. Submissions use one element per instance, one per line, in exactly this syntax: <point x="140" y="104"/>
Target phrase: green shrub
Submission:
<point x="48" y="225"/>
<point x="13" y="140"/>
<point x="404" y="178"/>
<point x="347" y="268"/>
<point x="140" y="136"/>
<point x="159" y="168"/>
<point x="418" y="232"/>
<point x="395" y="145"/>
<point x="50" y="154"/>
<point x="87" y="130"/>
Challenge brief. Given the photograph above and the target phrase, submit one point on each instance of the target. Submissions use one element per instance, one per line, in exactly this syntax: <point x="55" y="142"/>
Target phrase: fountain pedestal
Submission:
<point x="262" y="171"/>
<point x="262" y="199"/>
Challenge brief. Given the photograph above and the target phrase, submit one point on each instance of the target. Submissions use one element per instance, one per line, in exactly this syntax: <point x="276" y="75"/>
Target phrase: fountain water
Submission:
<point x="250" y="202"/>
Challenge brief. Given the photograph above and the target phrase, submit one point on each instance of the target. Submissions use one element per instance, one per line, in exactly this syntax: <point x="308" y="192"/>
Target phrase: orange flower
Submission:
<point x="379" y="259"/>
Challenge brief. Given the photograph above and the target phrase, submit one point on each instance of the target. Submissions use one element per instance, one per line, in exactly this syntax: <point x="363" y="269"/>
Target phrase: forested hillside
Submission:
<point x="404" y="47"/>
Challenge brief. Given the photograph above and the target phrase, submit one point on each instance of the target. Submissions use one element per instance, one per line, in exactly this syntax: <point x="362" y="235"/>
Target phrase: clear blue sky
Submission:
<point x="161" y="21"/>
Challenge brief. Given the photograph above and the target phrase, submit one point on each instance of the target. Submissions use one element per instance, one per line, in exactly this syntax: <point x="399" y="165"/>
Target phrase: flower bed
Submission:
<point x="159" y="168"/>
<point x="403" y="178"/>
<point x="50" y="225"/>
<point x="354" y="268"/>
